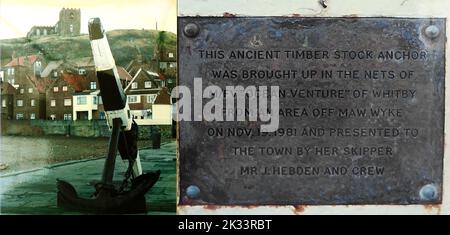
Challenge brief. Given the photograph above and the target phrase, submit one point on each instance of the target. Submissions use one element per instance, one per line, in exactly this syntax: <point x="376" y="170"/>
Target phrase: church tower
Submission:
<point x="69" y="23"/>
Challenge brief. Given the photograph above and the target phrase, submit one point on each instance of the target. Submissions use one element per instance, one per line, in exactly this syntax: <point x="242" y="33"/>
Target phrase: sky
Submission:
<point x="18" y="16"/>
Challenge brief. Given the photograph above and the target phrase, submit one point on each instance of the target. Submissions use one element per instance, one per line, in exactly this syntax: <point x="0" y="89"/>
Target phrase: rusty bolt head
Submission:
<point x="428" y="192"/>
<point x="432" y="31"/>
<point x="193" y="191"/>
<point x="191" y="30"/>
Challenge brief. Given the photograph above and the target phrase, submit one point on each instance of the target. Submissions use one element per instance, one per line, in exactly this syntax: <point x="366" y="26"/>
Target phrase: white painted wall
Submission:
<point x="161" y="115"/>
<point x="89" y="106"/>
<point x="336" y="8"/>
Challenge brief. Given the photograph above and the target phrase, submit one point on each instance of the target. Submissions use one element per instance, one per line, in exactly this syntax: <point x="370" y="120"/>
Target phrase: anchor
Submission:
<point x="110" y="198"/>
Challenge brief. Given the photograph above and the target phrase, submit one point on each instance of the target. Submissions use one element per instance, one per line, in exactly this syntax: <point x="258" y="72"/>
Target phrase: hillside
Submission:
<point x="123" y="45"/>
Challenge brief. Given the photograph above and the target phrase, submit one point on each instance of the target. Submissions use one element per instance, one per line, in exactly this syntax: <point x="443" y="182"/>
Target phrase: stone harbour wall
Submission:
<point x="79" y="128"/>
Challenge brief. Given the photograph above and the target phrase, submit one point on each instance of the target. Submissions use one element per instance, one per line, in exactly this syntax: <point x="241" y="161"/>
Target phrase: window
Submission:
<point x="53" y="103"/>
<point x="55" y="74"/>
<point x="19" y="103"/>
<point x="53" y="116"/>
<point x="133" y="99"/>
<point x="94" y="100"/>
<point x="10" y="71"/>
<point x="81" y="100"/>
<point x="148" y="84"/>
<point x="71" y="28"/>
<point x="3" y="103"/>
<point x="22" y="91"/>
<point x="93" y="85"/>
<point x="102" y="115"/>
<point x="55" y="89"/>
<point x="172" y="65"/>
<point x="33" y="102"/>
<point x="151" y="99"/>
<point x="134" y="85"/>
<point x="32" y="116"/>
<point x="81" y="71"/>
<point x="67" y="102"/>
<point x="170" y="55"/>
<point x="163" y="65"/>
<point x="19" y="116"/>
<point x="64" y="88"/>
<point x="67" y="116"/>
<point x="30" y="90"/>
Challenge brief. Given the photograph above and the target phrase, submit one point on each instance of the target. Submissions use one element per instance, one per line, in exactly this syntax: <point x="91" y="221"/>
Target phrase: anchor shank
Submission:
<point x="108" y="170"/>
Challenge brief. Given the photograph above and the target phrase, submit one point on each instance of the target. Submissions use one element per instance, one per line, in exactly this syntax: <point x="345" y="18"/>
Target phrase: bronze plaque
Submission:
<point x="361" y="106"/>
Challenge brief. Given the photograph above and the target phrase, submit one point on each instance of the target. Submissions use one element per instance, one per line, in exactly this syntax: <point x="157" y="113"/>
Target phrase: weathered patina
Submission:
<point x="361" y="105"/>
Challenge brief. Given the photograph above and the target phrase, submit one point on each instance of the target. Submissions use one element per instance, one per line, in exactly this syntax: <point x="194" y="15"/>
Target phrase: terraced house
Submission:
<point x="168" y="68"/>
<point x="68" y="89"/>
<point x="60" y="104"/>
<point x="86" y="101"/>
<point x="7" y="98"/>
<point x="23" y="73"/>
<point x="143" y="88"/>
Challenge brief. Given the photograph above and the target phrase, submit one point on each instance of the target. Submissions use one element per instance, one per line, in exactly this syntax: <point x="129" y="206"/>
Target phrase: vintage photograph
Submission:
<point x="86" y="115"/>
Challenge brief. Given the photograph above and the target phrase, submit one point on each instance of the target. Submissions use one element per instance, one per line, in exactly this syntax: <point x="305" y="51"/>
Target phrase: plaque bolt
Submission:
<point x="428" y="192"/>
<point x="432" y="31"/>
<point x="191" y="30"/>
<point x="193" y="191"/>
